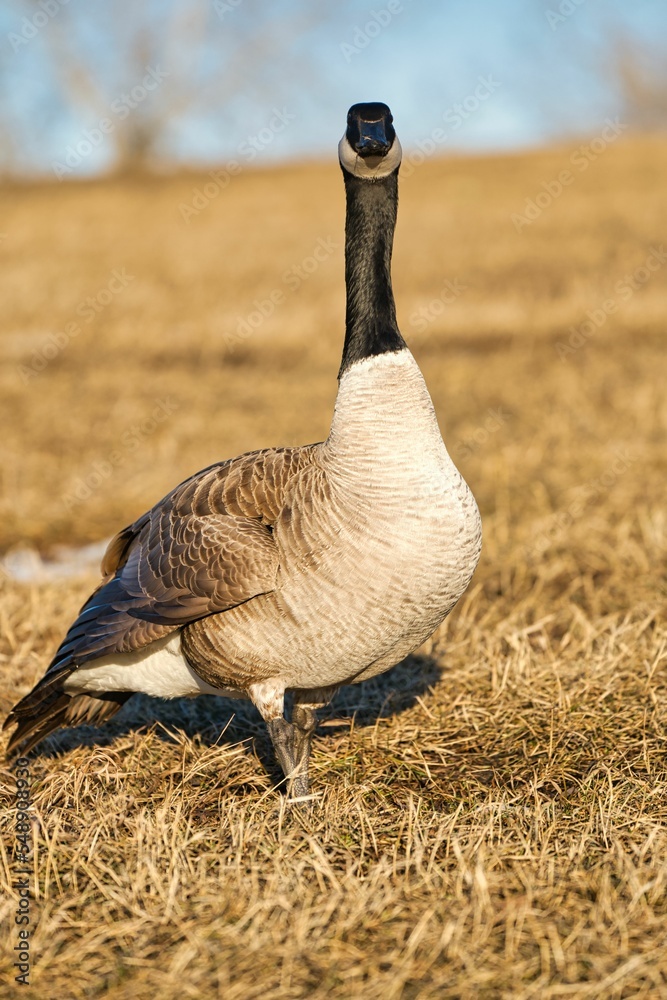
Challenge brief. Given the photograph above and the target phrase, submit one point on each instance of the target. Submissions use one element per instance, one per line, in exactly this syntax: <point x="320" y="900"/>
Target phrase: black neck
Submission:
<point x="370" y="321"/>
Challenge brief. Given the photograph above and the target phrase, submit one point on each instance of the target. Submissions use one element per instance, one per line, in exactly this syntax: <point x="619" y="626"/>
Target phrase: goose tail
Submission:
<point x="48" y="707"/>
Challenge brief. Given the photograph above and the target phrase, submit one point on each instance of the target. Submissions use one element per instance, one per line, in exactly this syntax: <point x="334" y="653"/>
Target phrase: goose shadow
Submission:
<point x="213" y="720"/>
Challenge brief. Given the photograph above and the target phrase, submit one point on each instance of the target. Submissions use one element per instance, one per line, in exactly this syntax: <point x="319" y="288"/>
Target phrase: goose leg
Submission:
<point x="304" y="720"/>
<point x="291" y="745"/>
<point x="304" y="724"/>
<point x="269" y="698"/>
<point x="291" y="740"/>
<point x="282" y="735"/>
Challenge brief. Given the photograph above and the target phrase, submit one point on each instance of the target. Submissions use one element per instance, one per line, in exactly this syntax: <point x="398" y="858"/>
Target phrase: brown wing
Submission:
<point x="206" y="547"/>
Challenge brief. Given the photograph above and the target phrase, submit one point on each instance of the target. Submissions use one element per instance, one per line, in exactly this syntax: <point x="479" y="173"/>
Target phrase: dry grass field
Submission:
<point x="492" y="819"/>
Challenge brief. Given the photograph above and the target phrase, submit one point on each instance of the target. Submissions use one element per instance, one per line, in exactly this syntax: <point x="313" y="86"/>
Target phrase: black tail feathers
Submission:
<point x="47" y="707"/>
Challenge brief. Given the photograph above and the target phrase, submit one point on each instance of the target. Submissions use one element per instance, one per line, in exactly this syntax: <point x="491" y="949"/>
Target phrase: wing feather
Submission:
<point x="203" y="549"/>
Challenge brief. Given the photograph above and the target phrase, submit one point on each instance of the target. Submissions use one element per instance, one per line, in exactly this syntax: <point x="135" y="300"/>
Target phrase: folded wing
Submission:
<point x="205" y="548"/>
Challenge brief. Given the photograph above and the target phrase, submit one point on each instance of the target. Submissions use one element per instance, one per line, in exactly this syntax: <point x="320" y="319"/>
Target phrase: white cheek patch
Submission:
<point x="373" y="166"/>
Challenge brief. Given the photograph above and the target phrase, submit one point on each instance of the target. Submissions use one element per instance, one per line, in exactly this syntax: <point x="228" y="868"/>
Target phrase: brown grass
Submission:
<point x="492" y="820"/>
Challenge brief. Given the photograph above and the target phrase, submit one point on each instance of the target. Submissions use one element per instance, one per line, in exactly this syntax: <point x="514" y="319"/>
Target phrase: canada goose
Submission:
<point x="288" y="569"/>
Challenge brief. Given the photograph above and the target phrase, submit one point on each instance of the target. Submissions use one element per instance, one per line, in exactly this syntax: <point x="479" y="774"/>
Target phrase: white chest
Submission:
<point x="391" y="544"/>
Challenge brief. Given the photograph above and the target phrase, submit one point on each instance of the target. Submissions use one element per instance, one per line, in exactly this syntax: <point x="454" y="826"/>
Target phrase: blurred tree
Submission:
<point x="182" y="80"/>
<point x="641" y="72"/>
<point x="153" y="69"/>
<point x="9" y="140"/>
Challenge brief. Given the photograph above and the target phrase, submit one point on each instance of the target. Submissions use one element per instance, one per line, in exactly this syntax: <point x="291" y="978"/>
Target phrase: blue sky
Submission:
<point x="545" y="63"/>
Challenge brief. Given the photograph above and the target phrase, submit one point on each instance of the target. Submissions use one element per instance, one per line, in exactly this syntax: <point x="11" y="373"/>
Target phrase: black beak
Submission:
<point x="369" y="129"/>
<point x="373" y="140"/>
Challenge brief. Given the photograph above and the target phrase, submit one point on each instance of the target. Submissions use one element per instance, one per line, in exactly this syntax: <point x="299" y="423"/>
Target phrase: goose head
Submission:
<point x="370" y="146"/>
